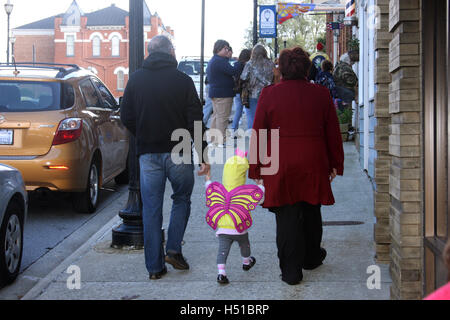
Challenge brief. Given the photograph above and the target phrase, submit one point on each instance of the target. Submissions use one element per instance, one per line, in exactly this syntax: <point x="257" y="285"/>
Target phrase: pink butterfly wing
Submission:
<point x="243" y="200"/>
<point x="216" y="202"/>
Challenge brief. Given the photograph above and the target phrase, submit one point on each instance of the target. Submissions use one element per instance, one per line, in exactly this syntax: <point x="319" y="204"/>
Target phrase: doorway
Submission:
<point x="436" y="32"/>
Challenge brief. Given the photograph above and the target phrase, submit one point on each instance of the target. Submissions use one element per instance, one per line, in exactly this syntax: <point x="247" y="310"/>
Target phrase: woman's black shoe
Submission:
<point x="312" y="266"/>
<point x="251" y="265"/>
<point x="292" y="282"/>
<point x="158" y="275"/>
<point x="222" y="279"/>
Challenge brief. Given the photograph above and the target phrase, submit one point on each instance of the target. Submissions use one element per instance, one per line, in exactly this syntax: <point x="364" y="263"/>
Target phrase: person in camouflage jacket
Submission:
<point x="344" y="76"/>
<point x="345" y="79"/>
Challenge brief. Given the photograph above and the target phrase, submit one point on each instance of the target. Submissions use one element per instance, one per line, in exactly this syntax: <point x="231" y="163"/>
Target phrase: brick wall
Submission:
<point x="382" y="130"/>
<point x="49" y="50"/>
<point x="44" y="48"/>
<point x="405" y="108"/>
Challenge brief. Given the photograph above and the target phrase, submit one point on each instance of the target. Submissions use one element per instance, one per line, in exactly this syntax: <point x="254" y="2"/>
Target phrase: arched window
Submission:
<point x="96" y="42"/>
<point x="70" y="50"/>
<point x="115" y="41"/>
<point x="120" y="80"/>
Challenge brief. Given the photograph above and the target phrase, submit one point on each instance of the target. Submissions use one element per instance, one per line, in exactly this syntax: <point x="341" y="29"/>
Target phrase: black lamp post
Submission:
<point x="255" y="22"/>
<point x="130" y="233"/>
<point x="8" y="9"/>
<point x="13" y="41"/>
<point x="202" y="55"/>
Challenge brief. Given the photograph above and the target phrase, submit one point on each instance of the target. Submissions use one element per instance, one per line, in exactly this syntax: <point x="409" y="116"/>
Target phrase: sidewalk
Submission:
<point x="108" y="274"/>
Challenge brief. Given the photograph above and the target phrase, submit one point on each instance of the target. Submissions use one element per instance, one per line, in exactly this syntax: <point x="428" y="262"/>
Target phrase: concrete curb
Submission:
<point x="44" y="283"/>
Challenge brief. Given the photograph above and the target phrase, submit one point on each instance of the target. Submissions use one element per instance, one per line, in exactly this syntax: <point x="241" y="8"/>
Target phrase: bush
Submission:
<point x="345" y="116"/>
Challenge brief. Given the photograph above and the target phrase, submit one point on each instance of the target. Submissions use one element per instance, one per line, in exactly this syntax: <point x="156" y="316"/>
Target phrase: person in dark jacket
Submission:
<point x="325" y="78"/>
<point x="158" y="100"/>
<point x="310" y="156"/>
<point x="221" y="89"/>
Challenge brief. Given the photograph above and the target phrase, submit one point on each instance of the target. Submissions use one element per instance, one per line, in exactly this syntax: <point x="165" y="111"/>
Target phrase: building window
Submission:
<point x="115" y="46"/>
<point x="96" y="42"/>
<point x="70" y="42"/>
<point x="120" y="81"/>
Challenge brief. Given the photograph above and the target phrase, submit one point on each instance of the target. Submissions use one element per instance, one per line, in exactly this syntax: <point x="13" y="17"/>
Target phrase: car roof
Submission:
<point x="184" y="59"/>
<point x="42" y="71"/>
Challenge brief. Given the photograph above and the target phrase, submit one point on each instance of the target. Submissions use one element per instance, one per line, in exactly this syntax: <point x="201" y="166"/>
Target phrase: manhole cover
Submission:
<point x="342" y="223"/>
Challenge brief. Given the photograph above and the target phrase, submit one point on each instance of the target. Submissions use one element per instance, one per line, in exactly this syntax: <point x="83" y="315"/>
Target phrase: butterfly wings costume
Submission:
<point x="237" y="204"/>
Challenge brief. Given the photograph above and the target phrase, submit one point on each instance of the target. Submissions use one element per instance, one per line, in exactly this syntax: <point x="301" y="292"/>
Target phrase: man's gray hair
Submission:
<point x="160" y="44"/>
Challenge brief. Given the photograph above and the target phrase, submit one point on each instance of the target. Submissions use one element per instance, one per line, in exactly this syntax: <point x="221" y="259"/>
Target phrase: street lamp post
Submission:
<point x="130" y="233"/>
<point x="13" y="41"/>
<point x="255" y="22"/>
<point x="8" y="9"/>
<point x="202" y="56"/>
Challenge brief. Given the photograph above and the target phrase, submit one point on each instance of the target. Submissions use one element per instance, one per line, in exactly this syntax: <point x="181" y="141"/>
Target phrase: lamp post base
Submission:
<point x="130" y="234"/>
<point x="127" y="236"/>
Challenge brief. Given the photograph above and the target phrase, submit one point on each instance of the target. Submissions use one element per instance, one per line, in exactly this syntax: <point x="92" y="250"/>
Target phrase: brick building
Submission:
<point x="404" y="108"/>
<point x="98" y="41"/>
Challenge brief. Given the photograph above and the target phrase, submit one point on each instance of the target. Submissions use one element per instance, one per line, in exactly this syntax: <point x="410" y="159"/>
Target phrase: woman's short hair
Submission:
<point x="327" y="66"/>
<point x="219" y="45"/>
<point x="245" y="55"/>
<point x="294" y="64"/>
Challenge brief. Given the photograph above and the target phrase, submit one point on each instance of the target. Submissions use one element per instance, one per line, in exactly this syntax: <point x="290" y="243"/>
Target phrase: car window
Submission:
<point x="192" y="68"/>
<point x="30" y="96"/>
<point x="108" y="100"/>
<point x="68" y="96"/>
<point x="90" y="94"/>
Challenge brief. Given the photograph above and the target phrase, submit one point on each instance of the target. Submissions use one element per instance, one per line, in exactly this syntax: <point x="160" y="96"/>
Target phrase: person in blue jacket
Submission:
<point x="221" y="89"/>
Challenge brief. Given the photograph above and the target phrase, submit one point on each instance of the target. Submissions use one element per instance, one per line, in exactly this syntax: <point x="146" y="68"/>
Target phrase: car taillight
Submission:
<point x="69" y="130"/>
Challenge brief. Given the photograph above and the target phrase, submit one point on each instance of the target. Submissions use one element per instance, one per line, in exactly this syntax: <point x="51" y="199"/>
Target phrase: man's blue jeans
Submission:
<point x="155" y="170"/>
<point x="251" y="112"/>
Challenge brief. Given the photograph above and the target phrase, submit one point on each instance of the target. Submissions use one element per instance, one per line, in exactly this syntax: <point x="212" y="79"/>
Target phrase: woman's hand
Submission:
<point x="333" y="175"/>
<point x="259" y="182"/>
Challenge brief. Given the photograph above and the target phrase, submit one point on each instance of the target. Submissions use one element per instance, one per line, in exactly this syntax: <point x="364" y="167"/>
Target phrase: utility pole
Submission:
<point x="255" y="22"/>
<point x="202" y="56"/>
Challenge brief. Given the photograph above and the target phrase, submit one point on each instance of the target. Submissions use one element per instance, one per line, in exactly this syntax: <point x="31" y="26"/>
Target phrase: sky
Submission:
<point x="224" y="19"/>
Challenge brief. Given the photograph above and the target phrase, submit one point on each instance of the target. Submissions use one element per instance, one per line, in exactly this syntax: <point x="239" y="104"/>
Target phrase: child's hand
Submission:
<point x="208" y="176"/>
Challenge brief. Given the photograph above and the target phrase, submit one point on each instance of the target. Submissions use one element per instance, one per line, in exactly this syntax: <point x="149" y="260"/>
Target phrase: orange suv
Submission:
<point x="60" y="127"/>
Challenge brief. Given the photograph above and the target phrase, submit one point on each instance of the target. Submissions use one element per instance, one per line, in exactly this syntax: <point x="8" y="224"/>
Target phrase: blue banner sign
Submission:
<point x="267" y="21"/>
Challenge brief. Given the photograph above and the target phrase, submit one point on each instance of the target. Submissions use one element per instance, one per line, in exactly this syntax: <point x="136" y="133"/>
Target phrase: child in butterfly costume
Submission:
<point x="230" y="205"/>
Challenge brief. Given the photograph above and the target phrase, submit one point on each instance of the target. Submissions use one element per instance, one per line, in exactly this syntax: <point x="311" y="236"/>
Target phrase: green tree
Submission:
<point x="303" y="31"/>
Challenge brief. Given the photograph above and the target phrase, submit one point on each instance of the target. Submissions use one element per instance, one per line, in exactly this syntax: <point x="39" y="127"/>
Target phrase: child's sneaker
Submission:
<point x="252" y="263"/>
<point x="222" y="279"/>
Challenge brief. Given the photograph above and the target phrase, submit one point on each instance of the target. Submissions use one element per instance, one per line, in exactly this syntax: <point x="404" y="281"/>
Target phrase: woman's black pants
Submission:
<point x="299" y="236"/>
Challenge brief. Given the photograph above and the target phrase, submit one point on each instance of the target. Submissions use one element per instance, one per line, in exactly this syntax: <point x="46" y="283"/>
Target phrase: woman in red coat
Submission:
<point x="311" y="155"/>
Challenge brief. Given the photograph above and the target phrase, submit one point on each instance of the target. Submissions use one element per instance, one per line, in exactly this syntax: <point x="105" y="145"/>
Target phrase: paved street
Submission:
<point x="53" y="231"/>
<point x="348" y="236"/>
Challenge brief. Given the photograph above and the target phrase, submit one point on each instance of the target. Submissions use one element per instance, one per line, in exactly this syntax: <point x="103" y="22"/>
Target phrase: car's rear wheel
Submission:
<point x="11" y="244"/>
<point x="86" y="202"/>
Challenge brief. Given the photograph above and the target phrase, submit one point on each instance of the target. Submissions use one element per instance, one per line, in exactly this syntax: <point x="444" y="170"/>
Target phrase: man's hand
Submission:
<point x="333" y="175"/>
<point x="205" y="170"/>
